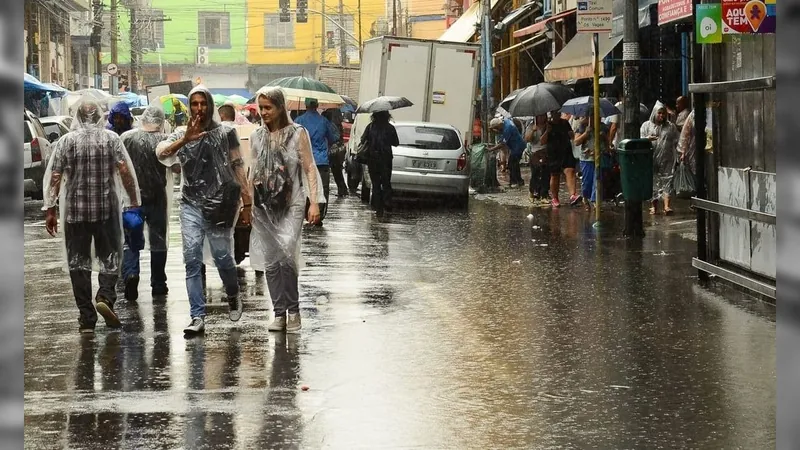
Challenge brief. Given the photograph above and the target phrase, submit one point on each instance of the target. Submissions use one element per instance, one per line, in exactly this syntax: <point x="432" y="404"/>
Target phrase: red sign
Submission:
<point x="672" y="10"/>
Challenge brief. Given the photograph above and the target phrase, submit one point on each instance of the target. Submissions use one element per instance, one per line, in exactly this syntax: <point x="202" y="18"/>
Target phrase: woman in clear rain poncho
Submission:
<point x="663" y="134"/>
<point x="155" y="181"/>
<point x="91" y="179"/>
<point x="282" y="175"/>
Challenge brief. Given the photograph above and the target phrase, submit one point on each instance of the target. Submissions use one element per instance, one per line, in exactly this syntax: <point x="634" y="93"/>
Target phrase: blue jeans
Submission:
<point x="155" y="216"/>
<point x="587" y="180"/>
<point x="195" y="230"/>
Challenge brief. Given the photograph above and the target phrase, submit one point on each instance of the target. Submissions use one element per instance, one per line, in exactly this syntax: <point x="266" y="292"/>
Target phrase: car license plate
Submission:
<point x="423" y="164"/>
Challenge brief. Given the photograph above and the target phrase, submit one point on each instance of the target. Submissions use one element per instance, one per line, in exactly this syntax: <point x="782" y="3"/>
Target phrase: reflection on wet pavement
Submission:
<point x="430" y="329"/>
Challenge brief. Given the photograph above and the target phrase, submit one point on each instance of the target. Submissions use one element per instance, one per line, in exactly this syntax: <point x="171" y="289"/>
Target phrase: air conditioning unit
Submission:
<point x="202" y="56"/>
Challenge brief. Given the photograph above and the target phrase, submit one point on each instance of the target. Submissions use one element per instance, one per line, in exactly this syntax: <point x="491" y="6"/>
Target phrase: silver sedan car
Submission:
<point x="431" y="159"/>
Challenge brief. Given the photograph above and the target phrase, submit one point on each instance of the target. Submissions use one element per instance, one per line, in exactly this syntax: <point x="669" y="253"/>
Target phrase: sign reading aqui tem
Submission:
<point x="749" y="17"/>
<point x="673" y="10"/>
<point x="594" y="16"/>
<point x="708" y="27"/>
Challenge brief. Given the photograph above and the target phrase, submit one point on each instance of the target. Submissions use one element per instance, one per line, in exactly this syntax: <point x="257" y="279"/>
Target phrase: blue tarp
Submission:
<point x="30" y="83"/>
<point x="227" y="92"/>
<point x="132" y="99"/>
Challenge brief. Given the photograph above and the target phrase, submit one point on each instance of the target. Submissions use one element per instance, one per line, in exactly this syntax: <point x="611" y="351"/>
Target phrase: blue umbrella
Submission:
<point x="30" y="83"/>
<point x="579" y="107"/>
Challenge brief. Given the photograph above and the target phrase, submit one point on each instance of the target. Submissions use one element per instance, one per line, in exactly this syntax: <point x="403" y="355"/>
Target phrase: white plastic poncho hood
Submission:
<point x="276" y="235"/>
<point x="72" y="175"/>
<point x="664" y="149"/>
<point x="155" y="180"/>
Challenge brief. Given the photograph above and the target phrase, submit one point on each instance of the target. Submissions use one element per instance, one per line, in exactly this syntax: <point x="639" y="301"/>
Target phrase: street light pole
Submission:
<point x="634" y="225"/>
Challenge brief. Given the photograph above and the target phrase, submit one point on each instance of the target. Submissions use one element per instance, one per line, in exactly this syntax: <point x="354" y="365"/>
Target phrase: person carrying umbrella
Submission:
<point x="378" y="139"/>
<point x="323" y="134"/>
<point x="83" y="179"/>
<point x="510" y="138"/>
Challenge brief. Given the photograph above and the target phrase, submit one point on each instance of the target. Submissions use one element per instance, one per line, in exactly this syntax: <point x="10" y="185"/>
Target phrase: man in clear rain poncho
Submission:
<point x="91" y="179"/>
<point x="283" y="175"/>
<point x="155" y="183"/>
<point x="213" y="181"/>
<point x="664" y="137"/>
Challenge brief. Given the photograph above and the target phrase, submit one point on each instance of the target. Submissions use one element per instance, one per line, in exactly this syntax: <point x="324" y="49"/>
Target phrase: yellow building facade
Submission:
<point x="271" y="42"/>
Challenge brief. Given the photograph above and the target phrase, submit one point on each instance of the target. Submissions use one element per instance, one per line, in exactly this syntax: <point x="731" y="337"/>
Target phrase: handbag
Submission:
<point x="362" y="153"/>
<point x="336" y="150"/>
<point x="274" y="194"/>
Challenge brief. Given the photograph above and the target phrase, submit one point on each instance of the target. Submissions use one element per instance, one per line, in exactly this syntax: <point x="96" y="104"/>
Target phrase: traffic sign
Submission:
<point x="594" y="16"/>
<point x="112" y="69"/>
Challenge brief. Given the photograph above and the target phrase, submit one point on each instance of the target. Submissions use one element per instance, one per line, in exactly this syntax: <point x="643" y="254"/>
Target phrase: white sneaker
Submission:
<point x="293" y="325"/>
<point x="197" y="326"/>
<point x="279" y="324"/>
<point x="235" y="304"/>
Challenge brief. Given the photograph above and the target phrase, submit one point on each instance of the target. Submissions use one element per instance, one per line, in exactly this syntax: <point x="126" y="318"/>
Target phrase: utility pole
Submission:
<point x="96" y="41"/>
<point x="630" y="107"/>
<point x="324" y="36"/>
<point x="342" y="42"/>
<point x="394" y="17"/>
<point x="112" y="83"/>
<point x="699" y="105"/>
<point x="135" y="49"/>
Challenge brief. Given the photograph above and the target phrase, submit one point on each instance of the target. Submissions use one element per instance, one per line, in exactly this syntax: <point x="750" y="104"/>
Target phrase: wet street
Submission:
<point x="432" y="328"/>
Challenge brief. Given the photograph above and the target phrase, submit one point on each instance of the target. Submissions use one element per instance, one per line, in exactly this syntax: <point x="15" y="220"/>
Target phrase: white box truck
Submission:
<point x="440" y="78"/>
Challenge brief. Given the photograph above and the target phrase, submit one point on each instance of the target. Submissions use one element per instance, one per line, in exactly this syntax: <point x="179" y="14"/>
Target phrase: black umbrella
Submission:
<point x="384" y="103"/>
<point x="540" y="99"/>
<point x="506" y="103"/>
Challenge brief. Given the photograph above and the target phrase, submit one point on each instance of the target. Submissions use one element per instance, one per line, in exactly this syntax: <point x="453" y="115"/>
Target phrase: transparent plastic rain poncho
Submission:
<point x="92" y="164"/>
<point x="686" y="144"/>
<point x="665" y="149"/>
<point x="155" y="180"/>
<point x="205" y="164"/>
<point x="275" y="235"/>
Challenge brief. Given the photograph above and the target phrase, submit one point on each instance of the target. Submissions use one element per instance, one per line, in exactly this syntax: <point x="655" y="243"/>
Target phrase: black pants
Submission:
<point x="107" y="248"/>
<point x="325" y="174"/>
<point x="282" y="283"/>
<point x="337" y="167"/>
<point x="515" y="174"/>
<point x="380" y="172"/>
<point x="540" y="179"/>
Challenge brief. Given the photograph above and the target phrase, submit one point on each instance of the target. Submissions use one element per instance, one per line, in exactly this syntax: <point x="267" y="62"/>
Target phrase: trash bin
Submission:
<point x="636" y="169"/>
<point x="482" y="177"/>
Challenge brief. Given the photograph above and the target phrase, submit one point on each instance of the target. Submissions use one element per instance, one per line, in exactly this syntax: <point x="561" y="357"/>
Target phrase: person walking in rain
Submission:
<point x="322" y="134"/>
<point x="510" y="138"/>
<point x="283" y="178"/>
<point x="120" y="118"/>
<point x="82" y="179"/>
<point x="378" y="138"/>
<point x="337" y="153"/>
<point x="155" y="182"/>
<point x="664" y="137"/>
<point x="540" y="172"/>
<point x="213" y="181"/>
<point x="557" y="137"/>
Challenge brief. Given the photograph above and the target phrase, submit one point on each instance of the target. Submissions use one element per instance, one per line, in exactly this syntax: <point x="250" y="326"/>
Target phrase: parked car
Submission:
<point x="55" y="126"/>
<point x="36" y="153"/>
<point x="430" y="160"/>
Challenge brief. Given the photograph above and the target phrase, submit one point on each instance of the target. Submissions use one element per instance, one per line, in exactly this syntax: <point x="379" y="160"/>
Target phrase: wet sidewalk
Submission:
<point x="432" y="328"/>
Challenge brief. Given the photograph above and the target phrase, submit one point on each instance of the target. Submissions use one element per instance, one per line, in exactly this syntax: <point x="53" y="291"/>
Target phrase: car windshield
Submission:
<point x="28" y="136"/>
<point x="51" y="128"/>
<point x="428" y="137"/>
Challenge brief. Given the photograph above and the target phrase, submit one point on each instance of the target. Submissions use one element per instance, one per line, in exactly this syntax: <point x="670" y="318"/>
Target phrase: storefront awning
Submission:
<point x="464" y="28"/>
<point x="536" y="40"/>
<point x="539" y="26"/>
<point x="575" y="60"/>
<point x="518" y="14"/>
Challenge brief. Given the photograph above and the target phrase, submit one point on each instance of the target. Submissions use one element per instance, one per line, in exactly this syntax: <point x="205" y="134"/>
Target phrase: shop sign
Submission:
<point x="708" y="27"/>
<point x="751" y="17"/>
<point x="673" y="10"/>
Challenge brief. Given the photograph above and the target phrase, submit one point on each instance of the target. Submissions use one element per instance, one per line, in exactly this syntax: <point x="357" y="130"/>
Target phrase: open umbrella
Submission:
<point x="219" y="99"/>
<point x="383" y="103"/>
<point x="506" y="103"/>
<point x="580" y="106"/>
<point x="166" y="102"/>
<point x="540" y="99"/>
<point x="237" y="99"/>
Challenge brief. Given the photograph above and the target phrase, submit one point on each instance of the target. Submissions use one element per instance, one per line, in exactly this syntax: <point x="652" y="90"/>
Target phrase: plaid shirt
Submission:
<point x="89" y="160"/>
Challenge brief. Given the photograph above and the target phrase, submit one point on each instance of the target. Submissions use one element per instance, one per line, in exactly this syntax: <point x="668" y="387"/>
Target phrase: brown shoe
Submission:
<point x="104" y="309"/>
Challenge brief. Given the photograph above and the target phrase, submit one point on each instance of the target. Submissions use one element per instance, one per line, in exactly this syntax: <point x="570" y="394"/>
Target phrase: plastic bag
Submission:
<point x="683" y="181"/>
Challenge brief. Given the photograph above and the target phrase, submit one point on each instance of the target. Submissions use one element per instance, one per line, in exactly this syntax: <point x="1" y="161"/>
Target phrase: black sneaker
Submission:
<point x="132" y="288"/>
<point x="160" y="290"/>
<point x="235" y="304"/>
<point x="104" y="309"/>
